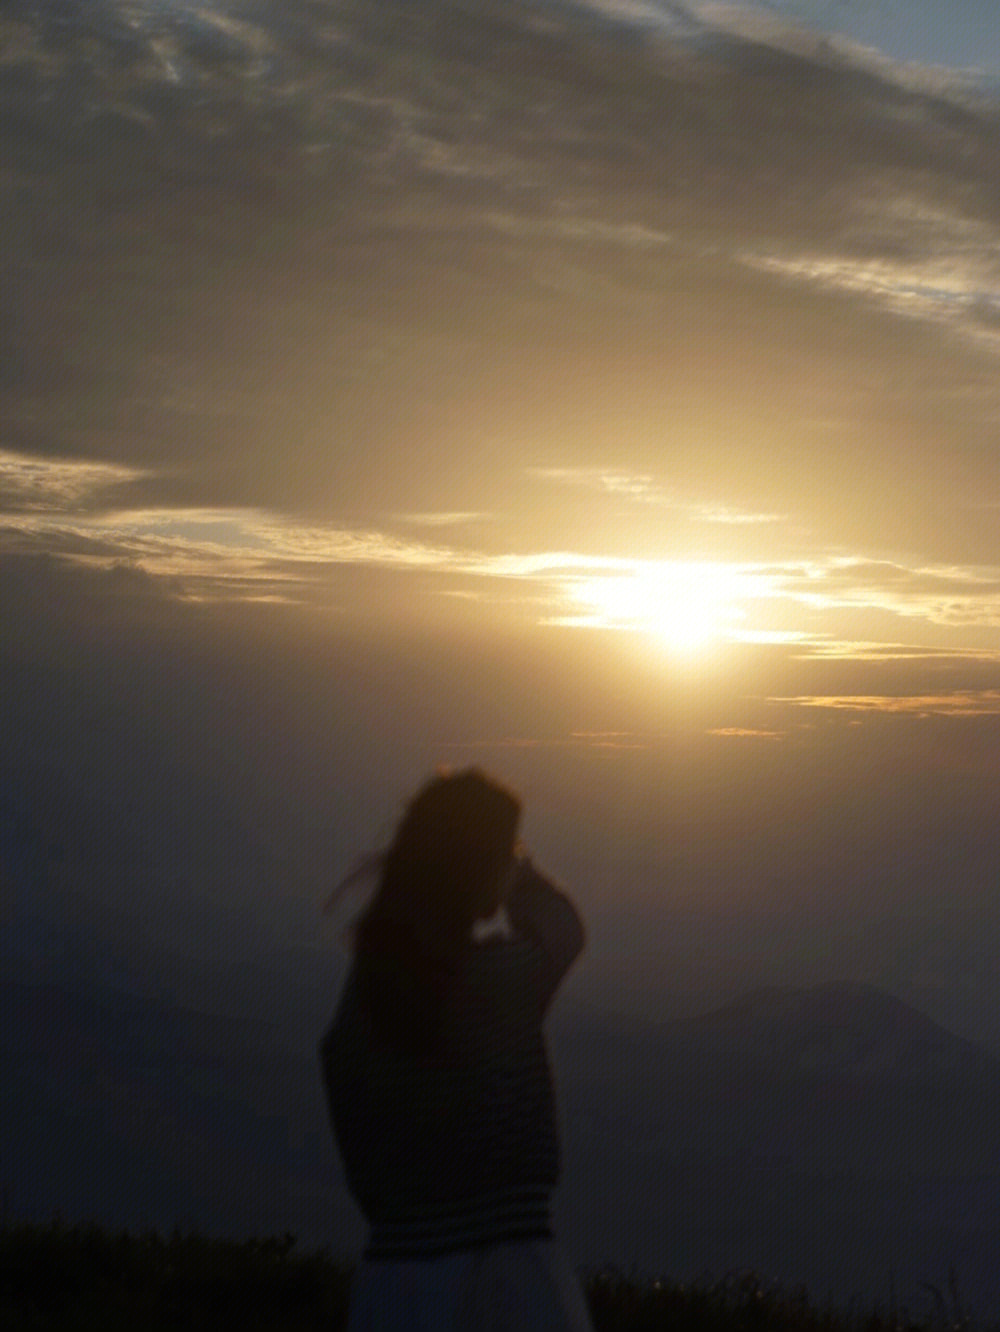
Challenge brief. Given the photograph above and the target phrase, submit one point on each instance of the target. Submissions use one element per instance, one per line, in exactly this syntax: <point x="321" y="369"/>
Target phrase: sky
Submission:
<point x="908" y="31"/>
<point x="601" y="393"/>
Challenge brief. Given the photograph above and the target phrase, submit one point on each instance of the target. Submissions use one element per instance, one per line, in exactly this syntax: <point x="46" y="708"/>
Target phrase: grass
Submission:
<point x="83" y="1278"/>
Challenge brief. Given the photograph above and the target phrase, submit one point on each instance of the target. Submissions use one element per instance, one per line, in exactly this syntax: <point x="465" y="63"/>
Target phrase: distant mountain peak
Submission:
<point x="783" y="1000"/>
<point x="846" y="1028"/>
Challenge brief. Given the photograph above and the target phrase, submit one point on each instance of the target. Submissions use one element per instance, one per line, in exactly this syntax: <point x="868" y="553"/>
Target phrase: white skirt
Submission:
<point x="526" y="1285"/>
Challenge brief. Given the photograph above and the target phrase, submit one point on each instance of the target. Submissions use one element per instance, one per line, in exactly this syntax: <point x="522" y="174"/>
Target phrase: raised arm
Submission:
<point x="541" y="913"/>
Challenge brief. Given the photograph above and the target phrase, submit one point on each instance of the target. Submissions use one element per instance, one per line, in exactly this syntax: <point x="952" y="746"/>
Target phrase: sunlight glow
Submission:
<point x="686" y="605"/>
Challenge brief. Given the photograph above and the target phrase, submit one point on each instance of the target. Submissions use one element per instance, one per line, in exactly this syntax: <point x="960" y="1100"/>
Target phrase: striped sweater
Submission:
<point x="460" y="1149"/>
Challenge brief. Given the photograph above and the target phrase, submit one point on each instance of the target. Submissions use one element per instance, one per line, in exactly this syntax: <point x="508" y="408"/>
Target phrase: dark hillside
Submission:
<point x="826" y="1136"/>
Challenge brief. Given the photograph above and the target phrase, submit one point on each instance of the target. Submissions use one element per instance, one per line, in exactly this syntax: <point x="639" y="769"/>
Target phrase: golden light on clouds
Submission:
<point x="685" y="605"/>
<point x="822" y="604"/>
<point x="959" y="703"/>
<point x="745" y="733"/>
<point x="30" y="483"/>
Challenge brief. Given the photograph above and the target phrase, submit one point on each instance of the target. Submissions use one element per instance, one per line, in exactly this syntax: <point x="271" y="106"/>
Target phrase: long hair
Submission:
<point x="453" y="839"/>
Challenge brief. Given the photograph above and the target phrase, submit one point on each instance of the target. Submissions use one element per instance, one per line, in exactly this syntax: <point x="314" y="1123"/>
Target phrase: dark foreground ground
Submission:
<point x="86" y="1278"/>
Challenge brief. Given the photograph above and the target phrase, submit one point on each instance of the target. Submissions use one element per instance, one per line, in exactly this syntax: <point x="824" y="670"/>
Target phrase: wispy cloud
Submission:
<point x="946" y="595"/>
<point x="609" y="739"/>
<point x="639" y="488"/>
<point x="443" y="519"/>
<point x="626" y="740"/>
<point x="576" y="227"/>
<point x="745" y="733"/>
<point x="961" y="703"/>
<point x="227" y="542"/>
<point x="230" y="544"/>
<point x="867" y="650"/>
<point x="958" y="289"/>
<point x="54" y="507"/>
<point x="782" y="32"/>
<point x="33" y="484"/>
<point x="643" y="489"/>
<point x="721" y="513"/>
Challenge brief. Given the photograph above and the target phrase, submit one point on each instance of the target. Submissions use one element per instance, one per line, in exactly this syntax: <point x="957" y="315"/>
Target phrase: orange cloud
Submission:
<point x="581" y="739"/>
<point x="745" y="733"/>
<point x="961" y="703"/>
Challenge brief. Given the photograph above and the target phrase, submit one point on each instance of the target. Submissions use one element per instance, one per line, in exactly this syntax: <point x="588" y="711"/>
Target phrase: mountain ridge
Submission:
<point x="144" y="1111"/>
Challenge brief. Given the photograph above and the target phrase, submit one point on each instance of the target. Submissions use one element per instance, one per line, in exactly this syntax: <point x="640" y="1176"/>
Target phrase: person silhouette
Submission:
<point x="437" y="1075"/>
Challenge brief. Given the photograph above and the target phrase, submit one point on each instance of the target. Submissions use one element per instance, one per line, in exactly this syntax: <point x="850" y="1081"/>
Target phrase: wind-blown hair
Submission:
<point x="452" y="841"/>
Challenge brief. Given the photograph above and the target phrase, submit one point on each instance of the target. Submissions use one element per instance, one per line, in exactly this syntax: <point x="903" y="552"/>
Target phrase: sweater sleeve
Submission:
<point x="541" y="914"/>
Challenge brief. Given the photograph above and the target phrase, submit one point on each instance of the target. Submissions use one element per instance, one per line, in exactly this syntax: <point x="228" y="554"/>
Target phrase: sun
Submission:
<point x="686" y="605"/>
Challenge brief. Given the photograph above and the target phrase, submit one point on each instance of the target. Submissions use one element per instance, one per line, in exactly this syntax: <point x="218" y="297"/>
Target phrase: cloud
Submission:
<point x="957" y="287"/>
<point x="444" y="519"/>
<point x="234" y="545"/>
<point x="744" y="23"/>
<point x="745" y="733"/>
<point x="33" y="484"/>
<point x="53" y="508"/>
<point x="961" y="703"/>
<point x="660" y="15"/>
<point x="952" y="597"/>
<point x="643" y="489"/>
<point x="955" y="596"/>
<point x="720" y="513"/>
<point x="507" y="742"/>
<point x="870" y="651"/>
<point x="611" y="483"/>
<point x="582" y="229"/>
<point x="756" y="24"/>
<point x="318" y="318"/>
<point x="625" y="740"/>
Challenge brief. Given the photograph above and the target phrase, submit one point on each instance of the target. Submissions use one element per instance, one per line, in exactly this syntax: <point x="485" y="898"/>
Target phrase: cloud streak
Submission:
<point x="745" y="733"/>
<point x="32" y="484"/>
<point x="643" y="489"/>
<point x="52" y="508"/>
<point x="952" y="596"/>
<point x="961" y="703"/>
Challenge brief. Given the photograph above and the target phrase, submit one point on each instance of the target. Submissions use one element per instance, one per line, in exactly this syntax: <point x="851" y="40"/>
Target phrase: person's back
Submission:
<point x="447" y="1129"/>
<point x="460" y="1147"/>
